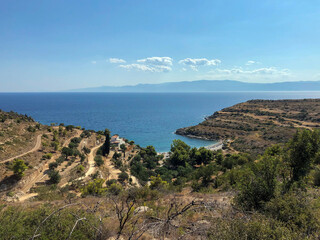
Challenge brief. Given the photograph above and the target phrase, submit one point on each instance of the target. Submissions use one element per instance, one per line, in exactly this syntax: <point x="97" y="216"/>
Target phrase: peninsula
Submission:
<point x="254" y="125"/>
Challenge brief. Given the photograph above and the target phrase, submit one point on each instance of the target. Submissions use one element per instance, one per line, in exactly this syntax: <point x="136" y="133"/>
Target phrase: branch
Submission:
<point x="54" y="212"/>
<point x="74" y="226"/>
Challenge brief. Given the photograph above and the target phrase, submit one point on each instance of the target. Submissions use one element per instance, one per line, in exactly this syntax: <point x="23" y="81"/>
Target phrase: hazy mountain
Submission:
<point x="208" y="86"/>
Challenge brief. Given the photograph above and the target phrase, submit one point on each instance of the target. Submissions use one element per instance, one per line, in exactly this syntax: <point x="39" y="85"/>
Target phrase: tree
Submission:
<point x="259" y="184"/>
<point x="151" y="151"/>
<point x="53" y="165"/>
<point x="301" y="151"/>
<point x="106" y="145"/>
<point x="204" y="174"/>
<point x="123" y="148"/>
<point x="201" y="156"/>
<point x="67" y="152"/>
<point x="86" y="150"/>
<point x="180" y="153"/>
<point x="19" y="167"/>
<point x="54" y="177"/>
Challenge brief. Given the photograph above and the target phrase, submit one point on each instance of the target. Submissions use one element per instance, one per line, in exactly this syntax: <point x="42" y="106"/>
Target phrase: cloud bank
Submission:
<point x="194" y="63"/>
<point x="238" y="73"/>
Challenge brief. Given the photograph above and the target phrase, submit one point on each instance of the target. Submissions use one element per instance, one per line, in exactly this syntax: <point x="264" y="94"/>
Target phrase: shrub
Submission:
<point x="31" y="129"/>
<point x="157" y="183"/>
<point x="47" y="156"/>
<point x="80" y="168"/>
<point x="19" y="167"/>
<point x="20" y="222"/>
<point x="115" y="189"/>
<point x="98" y="160"/>
<point x="123" y="176"/>
<point x="86" y="150"/>
<point x="94" y="188"/>
<point x="295" y="210"/>
<point x="257" y="227"/>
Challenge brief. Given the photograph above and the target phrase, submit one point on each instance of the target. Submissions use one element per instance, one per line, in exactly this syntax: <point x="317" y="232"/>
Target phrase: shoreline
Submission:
<point x="213" y="147"/>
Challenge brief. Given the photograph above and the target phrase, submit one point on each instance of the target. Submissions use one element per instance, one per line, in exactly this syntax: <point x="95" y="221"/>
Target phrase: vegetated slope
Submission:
<point x="34" y="157"/>
<point x="18" y="134"/>
<point x="254" y="125"/>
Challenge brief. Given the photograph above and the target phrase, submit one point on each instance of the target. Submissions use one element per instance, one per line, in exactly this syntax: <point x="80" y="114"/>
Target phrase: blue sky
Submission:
<point x="57" y="45"/>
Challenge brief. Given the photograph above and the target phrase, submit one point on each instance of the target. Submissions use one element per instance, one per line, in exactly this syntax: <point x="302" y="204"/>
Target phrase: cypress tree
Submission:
<point x="106" y="145"/>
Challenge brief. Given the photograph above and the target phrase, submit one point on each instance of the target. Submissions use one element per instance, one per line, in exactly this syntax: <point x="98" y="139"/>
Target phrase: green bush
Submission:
<point x="94" y="188"/>
<point x="54" y="177"/>
<point x="21" y="223"/>
<point x="123" y="176"/>
<point x="98" y="160"/>
<point x="53" y="165"/>
<point x="259" y="184"/>
<point x="19" y="167"/>
<point x="296" y="210"/>
<point x="257" y="227"/>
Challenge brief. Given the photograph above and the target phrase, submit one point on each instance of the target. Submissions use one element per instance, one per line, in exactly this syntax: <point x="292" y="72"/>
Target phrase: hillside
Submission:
<point x="254" y="125"/>
<point x="60" y="154"/>
<point x="63" y="184"/>
<point x="208" y="86"/>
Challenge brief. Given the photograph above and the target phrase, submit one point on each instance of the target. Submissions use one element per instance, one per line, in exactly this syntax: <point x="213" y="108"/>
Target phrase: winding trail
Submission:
<point x="91" y="160"/>
<point x="42" y="173"/>
<point x="91" y="163"/>
<point x="35" y="148"/>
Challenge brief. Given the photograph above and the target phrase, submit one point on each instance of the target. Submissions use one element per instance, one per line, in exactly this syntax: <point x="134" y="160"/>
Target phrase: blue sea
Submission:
<point x="146" y="118"/>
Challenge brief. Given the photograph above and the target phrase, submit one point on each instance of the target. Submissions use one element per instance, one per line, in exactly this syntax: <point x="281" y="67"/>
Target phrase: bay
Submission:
<point x="146" y="118"/>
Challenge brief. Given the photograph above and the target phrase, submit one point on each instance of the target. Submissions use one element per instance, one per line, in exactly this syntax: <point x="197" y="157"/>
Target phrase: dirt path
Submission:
<point x="113" y="172"/>
<point x="135" y="181"/>
<point x="35" y="148"/>
<point x="91" y="160"/>
<point x="27" y="196"/>
<point x="43" y="171"/>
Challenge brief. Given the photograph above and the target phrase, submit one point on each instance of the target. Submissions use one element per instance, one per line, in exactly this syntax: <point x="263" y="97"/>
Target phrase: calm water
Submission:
<point x="146" y="118"/>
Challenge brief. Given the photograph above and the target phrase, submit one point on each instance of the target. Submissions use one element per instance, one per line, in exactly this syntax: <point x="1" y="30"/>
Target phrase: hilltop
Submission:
<point x="208" y="86"/>
<point x="254" y="125"/>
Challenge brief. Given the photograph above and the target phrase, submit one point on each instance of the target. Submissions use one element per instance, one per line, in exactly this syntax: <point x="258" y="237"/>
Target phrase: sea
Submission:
<point x="145" y="118"/>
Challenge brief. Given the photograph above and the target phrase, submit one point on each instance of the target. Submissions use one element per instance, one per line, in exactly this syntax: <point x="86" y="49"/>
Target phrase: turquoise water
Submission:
<point x="146" y="118"/>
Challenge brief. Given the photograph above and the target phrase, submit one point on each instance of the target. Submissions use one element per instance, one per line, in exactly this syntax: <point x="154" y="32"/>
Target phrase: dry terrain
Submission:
<point x="254" y="125"/>
<point x="39" y="146"/>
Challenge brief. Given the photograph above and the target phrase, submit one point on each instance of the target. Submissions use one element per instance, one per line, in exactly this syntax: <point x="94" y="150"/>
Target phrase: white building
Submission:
<point x="116" y="140"/>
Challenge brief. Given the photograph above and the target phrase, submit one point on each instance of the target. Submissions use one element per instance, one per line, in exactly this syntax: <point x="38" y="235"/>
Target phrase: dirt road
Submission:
<point x="35" y="148"/>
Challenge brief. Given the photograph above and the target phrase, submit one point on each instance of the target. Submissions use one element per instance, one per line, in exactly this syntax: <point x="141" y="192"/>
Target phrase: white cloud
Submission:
<point x="93" y="62"/>
<point x="259" y="71"/>
<point x="158" y="61"/>
<point x="146" y="68"/>
<point x="116" y="60"/>
<point x="250" y="62"/>
<point x="151" y="64"/>
<point x="194" y="63"/>
<point x="238" y="73"/>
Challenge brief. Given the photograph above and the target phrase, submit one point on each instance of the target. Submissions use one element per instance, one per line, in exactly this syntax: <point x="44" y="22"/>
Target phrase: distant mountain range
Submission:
<point x="208" y="86"/>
